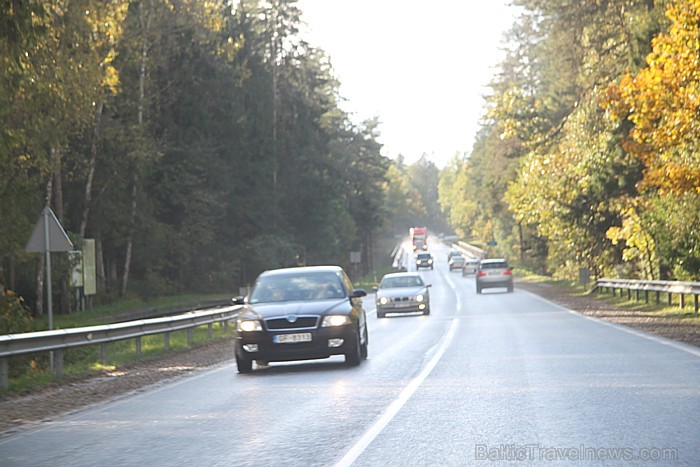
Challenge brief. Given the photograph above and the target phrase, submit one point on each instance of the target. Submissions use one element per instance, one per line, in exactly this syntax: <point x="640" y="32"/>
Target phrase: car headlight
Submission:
<point x="383" y="301"/>
<point x="335" y="320"/>
<point x="248" y="325"/>
<point x="417" y="261"/>
<point x="419" y="297"/>
<point x="430" y="261"/>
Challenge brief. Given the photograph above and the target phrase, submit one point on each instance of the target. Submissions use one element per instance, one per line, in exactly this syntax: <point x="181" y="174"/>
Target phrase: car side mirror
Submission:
<point x="375" y="288"/>
<point x="428" y="285"/>
<point x="357" y="293"/>
<point x="238" y="300"/>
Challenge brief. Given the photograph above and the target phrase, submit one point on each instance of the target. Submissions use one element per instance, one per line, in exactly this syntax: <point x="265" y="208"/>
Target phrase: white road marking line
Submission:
<point x="356" y="451"/>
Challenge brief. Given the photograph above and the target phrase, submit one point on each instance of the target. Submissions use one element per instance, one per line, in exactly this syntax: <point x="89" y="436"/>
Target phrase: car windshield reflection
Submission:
<point x="295" y="288"/>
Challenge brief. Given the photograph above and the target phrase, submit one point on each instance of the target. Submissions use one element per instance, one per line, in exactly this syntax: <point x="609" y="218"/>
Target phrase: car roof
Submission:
<point x="401" y="274"/>
<point x="301" y="270"/>
<point x="494" y="261"/>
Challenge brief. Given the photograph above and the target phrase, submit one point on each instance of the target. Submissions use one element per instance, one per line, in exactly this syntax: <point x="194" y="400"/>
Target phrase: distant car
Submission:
<point x="301" y="314"/>
<point x="456" y="262"/>
<point x="494" y="273"/>
<point x="470" y="266"/>
<point x="424" y="260"/>
<point x="452" y="253"/>
<point x="402" y="292"/>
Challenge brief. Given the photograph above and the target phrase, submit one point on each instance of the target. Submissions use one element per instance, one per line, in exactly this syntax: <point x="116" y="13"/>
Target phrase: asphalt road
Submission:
<point x="487" y="379"/>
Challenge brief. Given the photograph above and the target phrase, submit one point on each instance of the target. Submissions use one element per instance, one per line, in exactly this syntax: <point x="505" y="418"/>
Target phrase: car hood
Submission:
<point x="400" y="292"/>
<point x="315" y="307"/>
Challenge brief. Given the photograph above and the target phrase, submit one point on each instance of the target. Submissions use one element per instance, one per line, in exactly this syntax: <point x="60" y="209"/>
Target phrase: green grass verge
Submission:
<point x="31" y="372"/>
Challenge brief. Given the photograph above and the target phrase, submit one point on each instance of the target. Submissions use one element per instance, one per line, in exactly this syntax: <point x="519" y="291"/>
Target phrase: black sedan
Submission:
<point x="301" y="314"/>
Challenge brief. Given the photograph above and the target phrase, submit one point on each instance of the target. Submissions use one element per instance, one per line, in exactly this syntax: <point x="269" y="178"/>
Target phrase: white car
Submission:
<point x="402" y="292"/>
<point x="470" y="267"/>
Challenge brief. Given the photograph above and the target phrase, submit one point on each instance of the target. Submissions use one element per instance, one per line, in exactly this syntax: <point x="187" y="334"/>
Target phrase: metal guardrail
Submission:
<point x="61" y="339"/>
<point x="471" y="250"/>
<point x="638" y="286"/>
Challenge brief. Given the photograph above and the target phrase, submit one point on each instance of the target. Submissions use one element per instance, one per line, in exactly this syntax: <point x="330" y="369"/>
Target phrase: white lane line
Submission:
<point x="621" y="327"/>
<point x="356" y="451"/>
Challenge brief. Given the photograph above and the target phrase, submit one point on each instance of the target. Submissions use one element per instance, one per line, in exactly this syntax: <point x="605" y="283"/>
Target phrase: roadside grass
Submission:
<point x="624" y="301"/>
<point x="119" y="310"/>
<point x="28" y="373"/>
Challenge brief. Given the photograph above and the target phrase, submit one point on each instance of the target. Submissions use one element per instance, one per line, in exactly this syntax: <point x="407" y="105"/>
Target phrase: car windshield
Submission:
<point x="498" y="265"/>
<point x="424" y="256"/>
<point x="401" y="281"/>
<point x="286" y="288"/>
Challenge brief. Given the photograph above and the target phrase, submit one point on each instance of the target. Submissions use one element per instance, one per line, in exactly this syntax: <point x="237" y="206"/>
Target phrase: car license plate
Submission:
<point x="292" y="338"/>
<point x="402" y="305"/>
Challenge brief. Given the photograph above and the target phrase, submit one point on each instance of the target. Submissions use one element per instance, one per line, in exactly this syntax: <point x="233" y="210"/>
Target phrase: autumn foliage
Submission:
<point x="663" y="103"/>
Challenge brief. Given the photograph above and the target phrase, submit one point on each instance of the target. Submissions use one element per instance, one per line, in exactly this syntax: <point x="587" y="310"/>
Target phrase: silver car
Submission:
<point x="470" y="267"/>
<point x="456" y="262"/>
<point x="494" y="273"/>
<point x="402" y="292"/>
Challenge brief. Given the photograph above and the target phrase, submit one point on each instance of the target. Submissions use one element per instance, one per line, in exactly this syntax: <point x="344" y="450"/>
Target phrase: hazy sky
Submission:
<point x="421" y="67"/>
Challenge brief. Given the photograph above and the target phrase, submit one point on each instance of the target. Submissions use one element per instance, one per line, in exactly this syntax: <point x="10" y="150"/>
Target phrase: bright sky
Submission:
<point x="422" y="67"/>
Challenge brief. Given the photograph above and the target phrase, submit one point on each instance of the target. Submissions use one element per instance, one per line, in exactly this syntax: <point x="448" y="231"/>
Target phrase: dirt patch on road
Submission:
<point x="22" y="411"/>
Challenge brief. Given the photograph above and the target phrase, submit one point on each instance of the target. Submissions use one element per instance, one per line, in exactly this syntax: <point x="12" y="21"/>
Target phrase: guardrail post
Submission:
<point x="629" y="294"/>
<point x="5" y="372"/>
<point x="658" y="297"/>
<point x="189" y="337"/>
<point x="670" y="299"/>
<point x="682" y="301"/>
<point x="636" y="293"/>
<point x="166" y="341"/>
<point x="103" y="353"/>
<point x="696" y="304"/>
<point x="211" y="330"/>
<point x="59" y="362"/>
<point x="138" y="347"/>
<point x="646" y="296"/>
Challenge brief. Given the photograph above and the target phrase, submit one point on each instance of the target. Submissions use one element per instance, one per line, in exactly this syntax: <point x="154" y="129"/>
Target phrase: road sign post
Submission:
<point x="48" y="236"/>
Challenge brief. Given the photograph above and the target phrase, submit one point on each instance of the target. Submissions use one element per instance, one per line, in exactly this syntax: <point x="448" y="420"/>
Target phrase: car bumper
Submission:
<point x="324" y="343"/>
<point x="492" y="284"/>
<point x="409" y="308"/>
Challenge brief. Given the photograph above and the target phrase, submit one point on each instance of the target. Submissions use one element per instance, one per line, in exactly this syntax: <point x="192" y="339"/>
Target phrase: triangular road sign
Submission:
<point x="57" y="238"/>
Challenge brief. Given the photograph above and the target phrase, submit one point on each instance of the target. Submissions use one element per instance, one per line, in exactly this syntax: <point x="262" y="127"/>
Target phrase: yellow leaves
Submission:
<point x="663" y="103"/>
<point x="639" y="245"/>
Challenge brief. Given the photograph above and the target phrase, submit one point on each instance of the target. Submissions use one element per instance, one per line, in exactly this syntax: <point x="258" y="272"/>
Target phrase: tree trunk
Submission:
<point x="145" y="20"/>
<point x="91" y="170"/>
<point x="41" y="270"/>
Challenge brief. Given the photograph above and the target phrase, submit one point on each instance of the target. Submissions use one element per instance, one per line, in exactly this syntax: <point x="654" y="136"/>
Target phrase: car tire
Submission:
<point x="364" y="351"/>
<point x="381" y="314"/>
<point x="244" y="364"/>
<point x="510" y="289"/>
<point x="478" y="289"/>
<point x="426" y="312"/>
<point x="353" y="356"/>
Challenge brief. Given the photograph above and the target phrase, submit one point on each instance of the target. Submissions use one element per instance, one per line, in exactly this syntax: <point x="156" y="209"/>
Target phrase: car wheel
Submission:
<point x="426" y="312"/>
<point x="478" y="289"/>
<point x="510" y="289"/>
<point x="364" y="347"/>
<point x="381" y="314"/>
<point x="353" y="356"/>
<point x="244" y="364"/>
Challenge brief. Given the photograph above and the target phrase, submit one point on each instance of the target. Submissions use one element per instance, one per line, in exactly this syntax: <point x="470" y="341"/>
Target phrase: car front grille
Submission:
<point x="400" y="299"/>
<point x="301" y="322"/>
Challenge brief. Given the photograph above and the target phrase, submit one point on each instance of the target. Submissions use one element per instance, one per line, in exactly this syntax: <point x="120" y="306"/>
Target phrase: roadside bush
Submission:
<point x="14" y="316"/>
